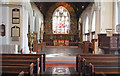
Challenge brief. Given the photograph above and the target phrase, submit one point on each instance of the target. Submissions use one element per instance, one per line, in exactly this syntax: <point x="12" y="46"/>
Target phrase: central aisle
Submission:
<point x="61" y="60"/>
<point x="66" y="61"/>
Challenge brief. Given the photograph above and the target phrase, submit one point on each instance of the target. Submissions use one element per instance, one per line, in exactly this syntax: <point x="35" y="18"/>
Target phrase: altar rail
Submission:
<point x="37" y="47"/>
<point x="87" y="46"/>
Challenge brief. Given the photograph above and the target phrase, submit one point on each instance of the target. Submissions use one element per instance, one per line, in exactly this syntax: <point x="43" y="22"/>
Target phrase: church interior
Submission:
<point x="60" y="38"/>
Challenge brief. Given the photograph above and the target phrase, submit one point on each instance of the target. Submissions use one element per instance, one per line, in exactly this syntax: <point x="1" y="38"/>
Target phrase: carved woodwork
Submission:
<point x="39" y="48"/>
<point x="109" y="42"/>
<point x="93" y="45"/>
<point x="81" y="45"/>
<point x="35" y="46"/>
<point x="81" y="32"/>
<point x="2" y="30"/>
<point x="86" y="46"/>
<point x="51" y="37"/>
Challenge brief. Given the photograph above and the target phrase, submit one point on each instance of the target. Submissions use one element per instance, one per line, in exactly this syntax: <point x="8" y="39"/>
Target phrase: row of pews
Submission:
<point x="98" y="65"/>
<point x="22" y="64"/>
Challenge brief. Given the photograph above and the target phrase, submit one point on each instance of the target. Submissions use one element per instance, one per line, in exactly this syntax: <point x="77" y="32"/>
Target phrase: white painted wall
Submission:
<point x="0" y="24"/>
<point x="11" y="25"/>
<point x="107" y="16"/>
<point x="5" y="21"/>
<point x="26" y="18"/>
<point x="0" y="14"/>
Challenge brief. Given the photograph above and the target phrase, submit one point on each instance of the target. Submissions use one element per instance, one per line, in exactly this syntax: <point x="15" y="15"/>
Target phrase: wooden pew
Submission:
<point x="15" y="70"/>
<point x="101" y="61"/>
<point x="30" y="56"/>
<point x="103" y="58"/>
<point x="92" y="56"/>
<point x="99" y="55"/>
<point x="98" y="67"/>
<point x="104" y="63"/>
<point x="106" y="70"/>
<point x="21" y="62"/>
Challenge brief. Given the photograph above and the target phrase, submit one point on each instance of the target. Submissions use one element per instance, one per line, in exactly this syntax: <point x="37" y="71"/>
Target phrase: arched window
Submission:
<point x="86" y="25"/>
<point x="61" y="21"/>
<point x="93" y="22"/>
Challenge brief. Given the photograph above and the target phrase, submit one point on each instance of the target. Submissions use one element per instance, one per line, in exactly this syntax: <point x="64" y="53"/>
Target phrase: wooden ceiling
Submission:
<point x="44" y="6"/>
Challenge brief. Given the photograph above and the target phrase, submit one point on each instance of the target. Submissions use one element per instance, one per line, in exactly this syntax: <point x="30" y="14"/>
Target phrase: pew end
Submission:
<point x="21" y="73"/>
<point x="80" y="64"/>
<point x="38" y="67"/>
<point x="33" y="63"/>
<point x="77" y="62"/>
<point x="91" y="69"/>
<point x="31" y="68"/>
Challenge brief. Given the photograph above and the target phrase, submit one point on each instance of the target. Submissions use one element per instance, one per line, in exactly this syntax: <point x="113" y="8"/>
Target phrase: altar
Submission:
<point x="60" y="39"/>
<point x="61" y="42"/>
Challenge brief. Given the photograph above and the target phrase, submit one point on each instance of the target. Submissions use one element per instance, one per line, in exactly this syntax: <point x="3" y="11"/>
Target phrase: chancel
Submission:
<point x="60" y="38"/>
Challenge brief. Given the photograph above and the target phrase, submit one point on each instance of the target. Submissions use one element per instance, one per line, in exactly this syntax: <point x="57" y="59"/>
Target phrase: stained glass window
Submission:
<point x="61" y="21"/>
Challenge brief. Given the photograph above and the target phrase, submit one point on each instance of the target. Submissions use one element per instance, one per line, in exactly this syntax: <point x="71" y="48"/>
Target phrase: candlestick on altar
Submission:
<point x="31" y="36"/>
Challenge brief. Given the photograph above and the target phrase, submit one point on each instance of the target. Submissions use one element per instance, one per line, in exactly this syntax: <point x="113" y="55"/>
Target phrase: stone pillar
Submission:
<point x="22" y="30"/>
<point x="90" y="26"/>
<point x="98" y="25"/>
<point x="119" y="12"/>
<point x="115" y="16"/>
<point x="25" y="31"/>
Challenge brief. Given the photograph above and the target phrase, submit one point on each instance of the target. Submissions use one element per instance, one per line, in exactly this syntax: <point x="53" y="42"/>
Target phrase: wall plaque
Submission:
<point x="15" y="16"/>
<point x="15" y="33"/>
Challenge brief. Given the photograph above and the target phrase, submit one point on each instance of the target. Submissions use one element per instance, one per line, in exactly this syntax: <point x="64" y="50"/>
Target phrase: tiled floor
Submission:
<point x="60" y="71"/>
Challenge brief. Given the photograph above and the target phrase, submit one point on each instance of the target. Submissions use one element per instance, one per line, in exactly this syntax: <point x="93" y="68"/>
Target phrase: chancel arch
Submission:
<point x="61" y="23"/>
